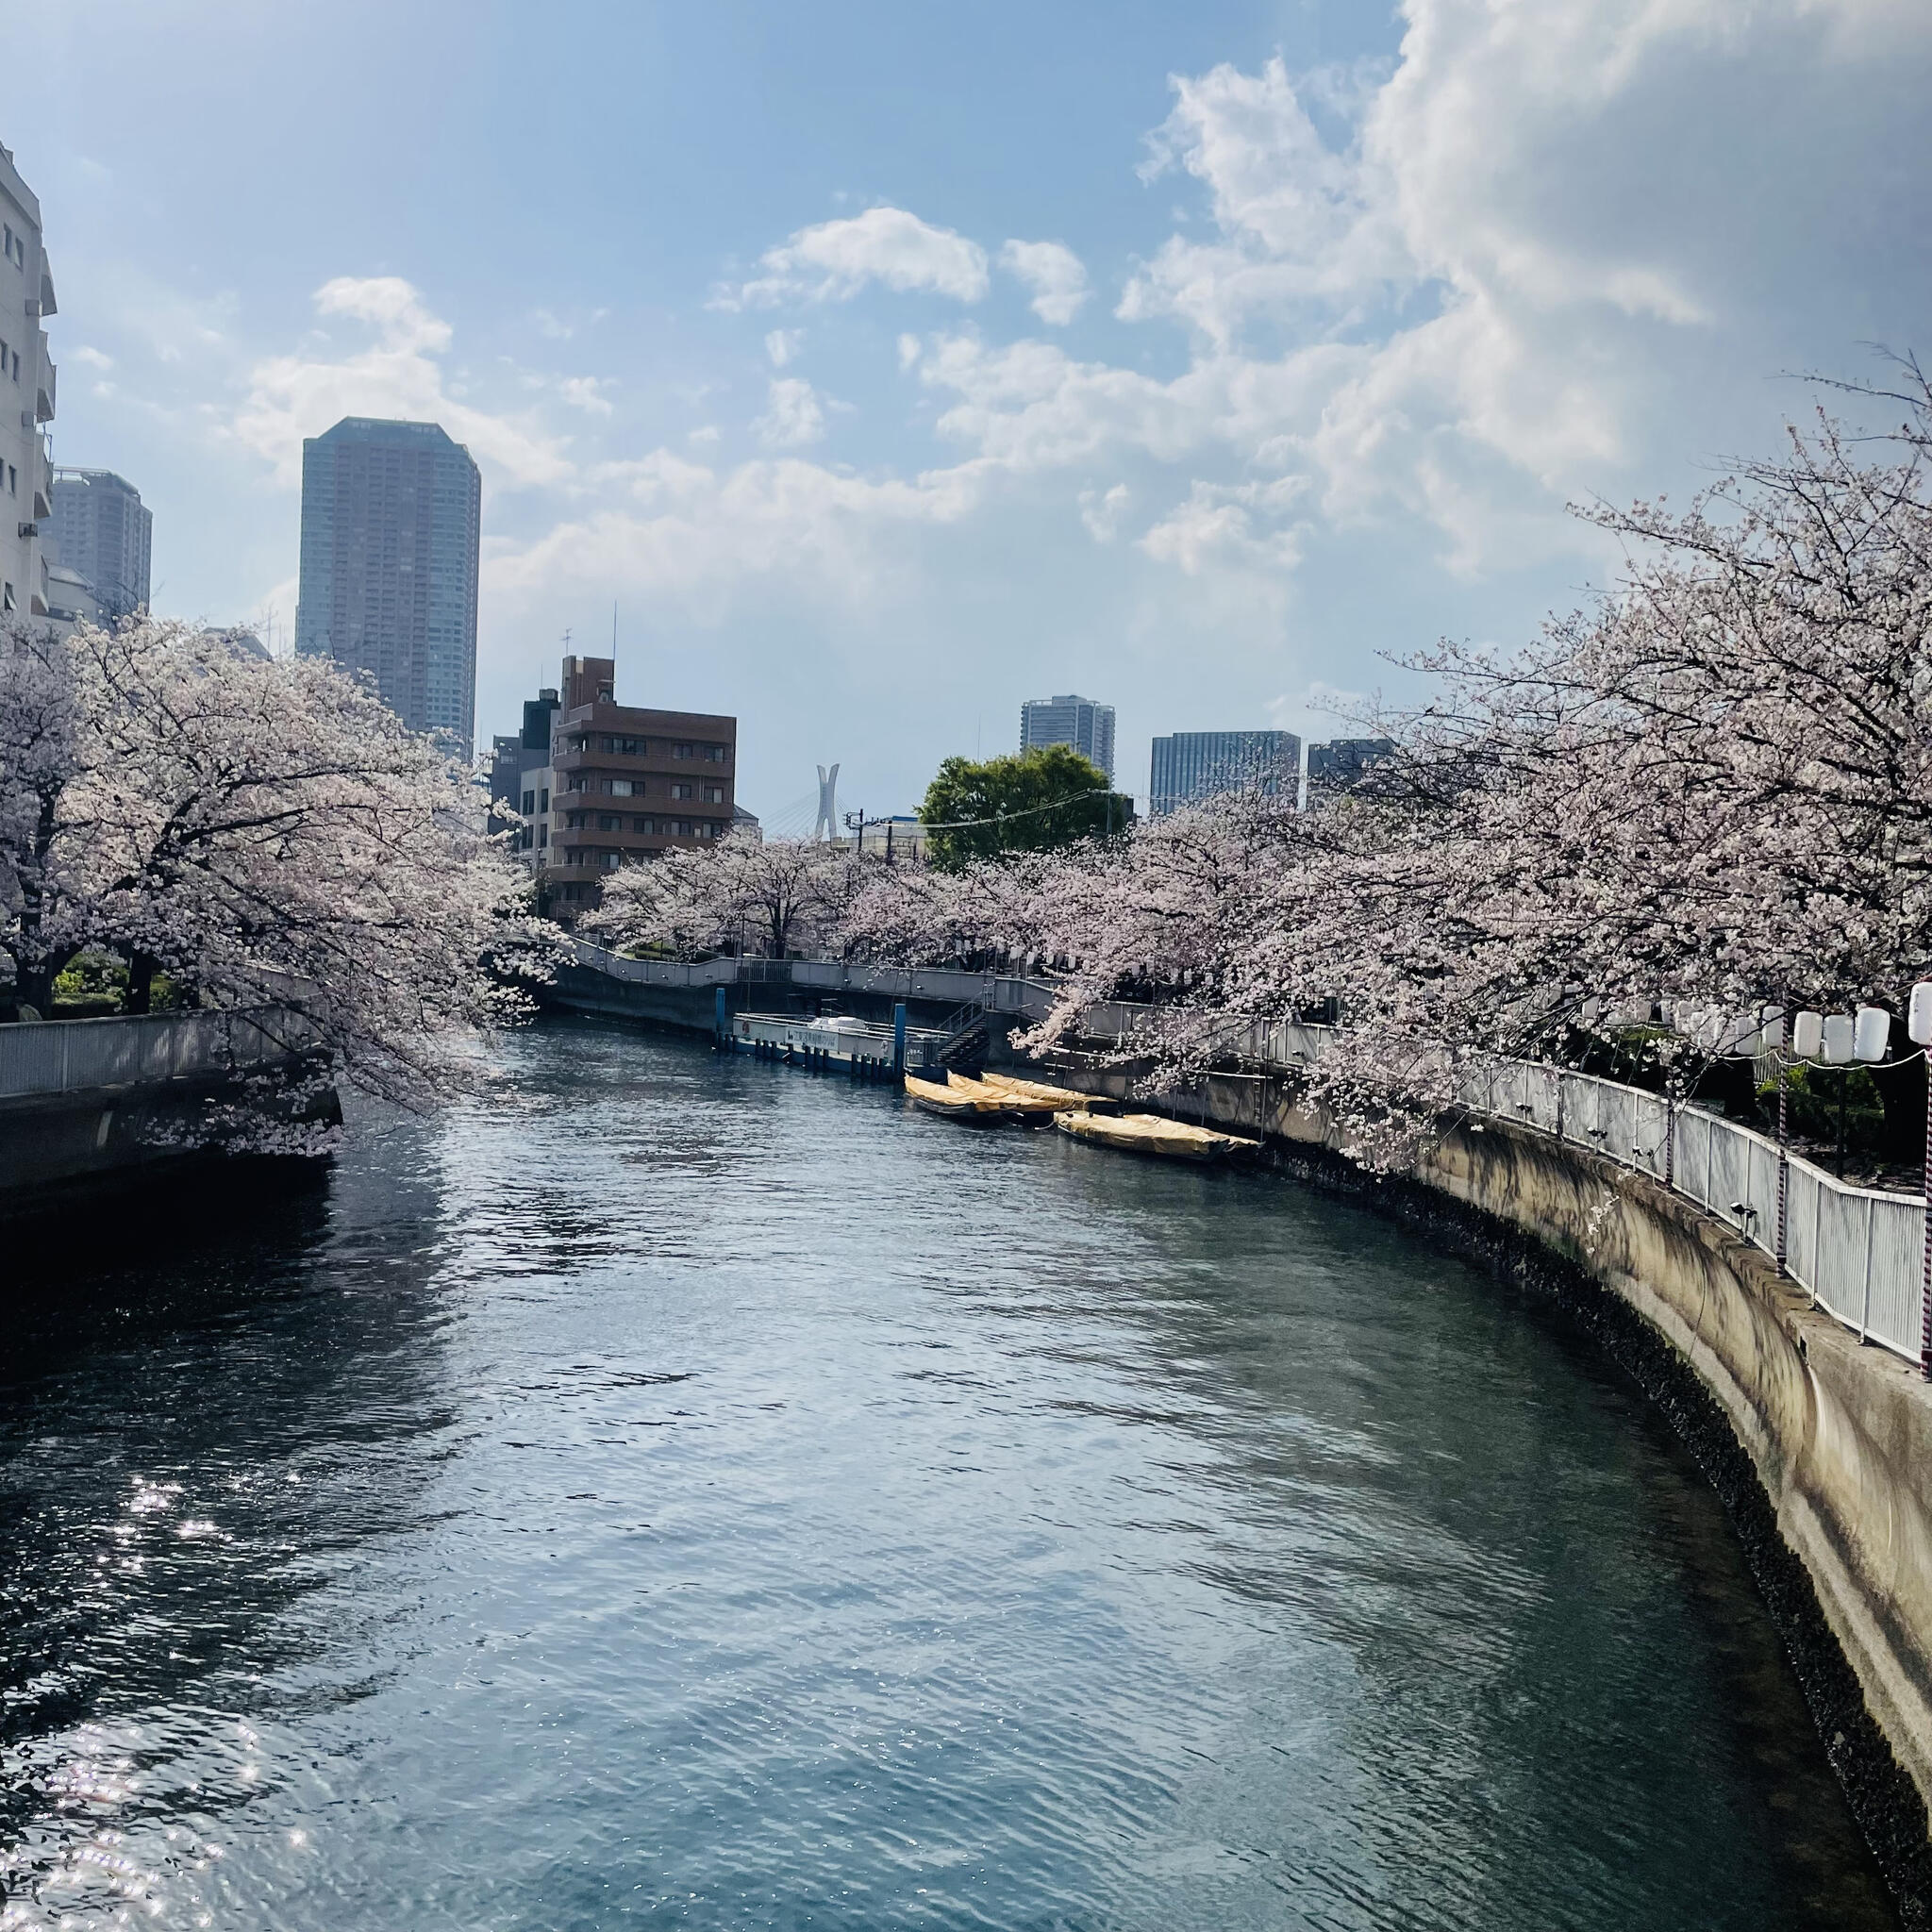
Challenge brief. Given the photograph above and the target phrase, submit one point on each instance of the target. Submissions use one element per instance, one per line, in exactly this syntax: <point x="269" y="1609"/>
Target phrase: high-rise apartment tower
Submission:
<point x="390" y="516"/>
<point x="1070" y="720"/>
<point x="103" y="530"/>
<point x="27" y="401"/>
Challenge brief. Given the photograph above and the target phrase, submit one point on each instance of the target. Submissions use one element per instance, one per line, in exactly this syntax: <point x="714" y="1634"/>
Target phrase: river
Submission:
<point x="666" y="1490"/>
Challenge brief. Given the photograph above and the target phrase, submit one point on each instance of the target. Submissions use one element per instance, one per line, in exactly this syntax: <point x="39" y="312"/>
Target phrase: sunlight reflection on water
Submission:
<point x="673" y="1491"/>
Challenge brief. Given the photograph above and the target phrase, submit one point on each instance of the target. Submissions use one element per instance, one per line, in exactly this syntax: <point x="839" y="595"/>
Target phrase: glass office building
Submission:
<point x="1190" y="765"/>
<point x="390" y="521"/>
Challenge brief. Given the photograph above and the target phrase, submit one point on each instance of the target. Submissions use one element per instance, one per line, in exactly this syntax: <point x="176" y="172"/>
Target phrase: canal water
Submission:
<point x="673" y="1491"/>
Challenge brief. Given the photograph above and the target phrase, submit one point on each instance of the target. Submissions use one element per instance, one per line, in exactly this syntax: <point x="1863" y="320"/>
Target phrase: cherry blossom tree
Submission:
<point x="267" y="834"/>
<point x="1709" y="791"/>
<point x="782" y="895"/>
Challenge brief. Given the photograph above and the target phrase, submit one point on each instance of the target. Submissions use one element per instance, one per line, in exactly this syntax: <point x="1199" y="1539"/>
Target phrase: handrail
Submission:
<point x="44" y="1056"/>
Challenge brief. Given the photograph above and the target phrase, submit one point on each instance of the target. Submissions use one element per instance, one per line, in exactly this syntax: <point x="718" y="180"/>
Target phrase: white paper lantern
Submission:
<point x="1838" y="1038"/>
<point x="1806" y="1035"/>
<point x="1870" y="1033"/>
<point x="1773" y="1030"/>
<point x="1918" y="1016"/>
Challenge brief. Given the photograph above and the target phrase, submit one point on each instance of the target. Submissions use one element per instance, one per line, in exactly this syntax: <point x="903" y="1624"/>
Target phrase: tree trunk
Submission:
<point x="1902" y="1093"/>
<point x="36" y="985"/>
<point x="140" y="982"/>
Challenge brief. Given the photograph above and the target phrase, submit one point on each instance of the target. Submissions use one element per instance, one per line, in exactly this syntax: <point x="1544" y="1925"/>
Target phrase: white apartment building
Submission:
<point x="27" y="401"/>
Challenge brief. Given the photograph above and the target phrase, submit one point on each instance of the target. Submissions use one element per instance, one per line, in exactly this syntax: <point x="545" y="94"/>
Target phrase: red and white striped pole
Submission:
<point x="1919" y="1025"/>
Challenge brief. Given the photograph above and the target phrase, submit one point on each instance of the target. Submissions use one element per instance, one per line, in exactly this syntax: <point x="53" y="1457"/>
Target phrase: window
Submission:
<point x="715" y="753"/>
<point x="705" y="828"/>
<point x="6" y="596"/>
<point x="529" y="805"/>
<point x="684" y="792"/>
<point x="12" y="480"/>
<point x="543" y="835"/>
<point x="642" y="825"/>
<point x="684" y="751"/>
<point x="624" y="747"/>
<point x="574" y="823"/>
<point x="714" y="794"/>
<point x="623" y="788"/>
<point x="544" y="794"/>
<point x="610" y="821"/>
<point x="612" y="860"/>
<point x="576" y="782"/>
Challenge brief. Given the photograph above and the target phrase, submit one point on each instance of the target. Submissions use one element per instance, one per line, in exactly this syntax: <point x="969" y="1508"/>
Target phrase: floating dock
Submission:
<point x="837" y="1043"/>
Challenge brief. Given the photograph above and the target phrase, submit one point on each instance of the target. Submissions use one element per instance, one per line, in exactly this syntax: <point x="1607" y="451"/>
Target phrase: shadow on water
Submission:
<point x="677" y="1491"/>
<point x="185" y="1387"/>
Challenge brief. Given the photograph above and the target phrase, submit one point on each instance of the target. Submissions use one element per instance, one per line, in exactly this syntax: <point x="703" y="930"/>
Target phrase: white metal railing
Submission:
<point x="140" y="1050"/>
<point x="1858" y="1251"/>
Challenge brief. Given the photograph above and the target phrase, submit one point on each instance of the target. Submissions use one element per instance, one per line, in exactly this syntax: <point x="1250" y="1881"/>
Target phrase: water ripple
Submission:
<point x="670" y="1491"/>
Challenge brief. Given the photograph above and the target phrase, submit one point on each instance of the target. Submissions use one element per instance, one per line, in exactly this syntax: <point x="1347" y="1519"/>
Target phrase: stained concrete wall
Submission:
<point x="61" y="1151"/>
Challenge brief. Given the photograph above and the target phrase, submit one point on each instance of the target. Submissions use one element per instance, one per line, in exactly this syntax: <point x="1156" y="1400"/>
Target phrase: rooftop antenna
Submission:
<point x="613" y="631"/>
<point x="827" y="820"/>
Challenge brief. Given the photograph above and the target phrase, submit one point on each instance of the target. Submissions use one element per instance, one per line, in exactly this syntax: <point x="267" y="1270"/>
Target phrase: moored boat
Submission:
<point x="1056" y="1099"/>
<point x="1150" y="1133"/>
<point x="960" y="1100"/>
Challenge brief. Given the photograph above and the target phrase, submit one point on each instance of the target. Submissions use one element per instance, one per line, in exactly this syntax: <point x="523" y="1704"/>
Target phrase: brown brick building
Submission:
<point x="624" y="783"/>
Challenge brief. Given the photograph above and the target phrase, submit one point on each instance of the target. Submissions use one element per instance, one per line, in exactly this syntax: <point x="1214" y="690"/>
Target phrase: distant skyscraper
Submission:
<point x="1340" y="762"/>
<point x="1070" y="720"/>
<point x="1189" y="765"/>
<point x="103" y="530"/>
<point x="391" y="513"/>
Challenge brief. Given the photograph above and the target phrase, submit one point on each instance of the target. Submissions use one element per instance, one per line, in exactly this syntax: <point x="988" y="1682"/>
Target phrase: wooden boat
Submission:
<point x="1028" y="1107"/>
<point x="1149" y="1133"/>
<point x="960" y="1100"/>
<point x="1058" y="1099"/>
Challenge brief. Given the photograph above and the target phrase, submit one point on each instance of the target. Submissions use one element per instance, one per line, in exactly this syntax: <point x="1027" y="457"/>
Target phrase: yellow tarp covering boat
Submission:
<point x="1060" y="1099"/>
<point x="1148" y="1133"/>
<point x="960" y="1100"/>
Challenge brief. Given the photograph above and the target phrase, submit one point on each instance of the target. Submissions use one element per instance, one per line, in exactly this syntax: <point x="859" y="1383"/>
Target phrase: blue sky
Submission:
<point x="887" y="365"/>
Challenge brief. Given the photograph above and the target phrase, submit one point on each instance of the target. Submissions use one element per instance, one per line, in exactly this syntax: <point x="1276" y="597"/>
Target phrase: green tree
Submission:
<point x="1024" y="802"/>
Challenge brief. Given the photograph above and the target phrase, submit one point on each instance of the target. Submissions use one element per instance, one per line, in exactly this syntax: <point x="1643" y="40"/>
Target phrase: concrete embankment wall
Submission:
<point x="1821" y="1448"/>
<point x="89" y="1108"/>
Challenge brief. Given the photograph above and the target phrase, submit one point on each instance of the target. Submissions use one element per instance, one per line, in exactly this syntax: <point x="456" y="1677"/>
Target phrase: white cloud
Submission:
<point x="1102" y="512"/>
<point x="782" y="345"/>
<point x="793" y="414"/>
<point x="585" y="392"/>
<point x="705" y="539"/>
<point x="398" y="375"/>
<point x="90" y="359"/>
<point x="835" y="261"/>
<point x="1053" y="273"/>
<point x="1217" y="526"/>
